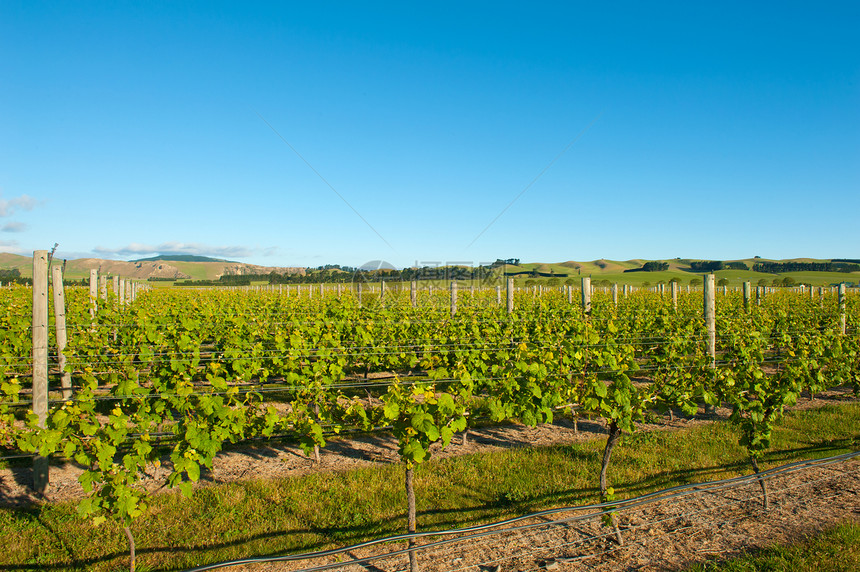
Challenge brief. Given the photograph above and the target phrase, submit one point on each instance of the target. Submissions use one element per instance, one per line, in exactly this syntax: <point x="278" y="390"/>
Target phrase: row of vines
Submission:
<point x="181" y="374"/>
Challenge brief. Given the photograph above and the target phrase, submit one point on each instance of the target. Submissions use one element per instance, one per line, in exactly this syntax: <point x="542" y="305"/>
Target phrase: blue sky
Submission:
<point x="618" y="130"/>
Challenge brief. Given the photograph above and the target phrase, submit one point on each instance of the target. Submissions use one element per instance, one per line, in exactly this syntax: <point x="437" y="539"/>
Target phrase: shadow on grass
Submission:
<point x="504" y="506"/>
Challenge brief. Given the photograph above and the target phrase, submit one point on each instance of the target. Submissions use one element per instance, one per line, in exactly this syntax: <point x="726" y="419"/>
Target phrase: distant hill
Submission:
<point x="603" y="270"/>
<point x="178" y="267"/>
<point x="183" y="258"/>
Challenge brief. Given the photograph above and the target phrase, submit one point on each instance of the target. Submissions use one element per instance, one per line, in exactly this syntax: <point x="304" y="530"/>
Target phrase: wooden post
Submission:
<point x="747" y="294"/>
<point x="711" y="318"/>
<point x="569" y="294"/>
<point x="94" y="279"/>
<point x="40" y="358"/>
<point x="413" y="293"/>
<point x="674" y="295"/>
<point x="453" y="298"/>
<point x="358" y="293"/>
<point x="586" y="294"/>
<point x="510" y="295"/>
<point x="758" y="295"/>
<point x="116" y="285"/>
<point x="382" y="289"/>
<point x="615" y="295"/>
<point x="60" y="320"/>
<point x="842" y="306"/>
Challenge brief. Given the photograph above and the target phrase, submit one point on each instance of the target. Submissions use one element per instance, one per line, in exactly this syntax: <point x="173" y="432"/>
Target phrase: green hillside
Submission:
<point x="182" y="258"/>
<point x="601" y="271"/>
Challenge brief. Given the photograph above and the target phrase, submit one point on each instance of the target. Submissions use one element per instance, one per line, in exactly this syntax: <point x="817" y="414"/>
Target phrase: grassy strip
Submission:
<point x="249" y="518"/>
<point x="836" y="550"/>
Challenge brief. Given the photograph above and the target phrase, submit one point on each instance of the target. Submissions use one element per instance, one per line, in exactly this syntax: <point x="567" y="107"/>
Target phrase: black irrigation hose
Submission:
<point x="479" y="531"/>
<point x="379" y="382"/>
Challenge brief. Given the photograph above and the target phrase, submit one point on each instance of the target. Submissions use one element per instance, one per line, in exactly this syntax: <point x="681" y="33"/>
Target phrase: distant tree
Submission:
<point x="788" y="281"/>
<point x="762" y="282"/>
<point x="570" y="281"/>
<point x="552" y="282"/>
<point x="723" y="282"/>
<point x="695" y="281"/>
<point x="655" y="266"/>
<point x="530" y="282"/>
<point x="674" y="279"/>
<point x="706" y="265"/>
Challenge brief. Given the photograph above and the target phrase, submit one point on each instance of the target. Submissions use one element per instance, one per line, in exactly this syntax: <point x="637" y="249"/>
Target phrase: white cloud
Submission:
<point x="11" y="246"/>
<point x="14" y="227"/>
<point x="193" y="248"/>
<point x="9" y="206"/>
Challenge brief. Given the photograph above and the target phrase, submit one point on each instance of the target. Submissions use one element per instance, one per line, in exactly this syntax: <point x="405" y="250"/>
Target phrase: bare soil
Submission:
<point x="665" y="536"/>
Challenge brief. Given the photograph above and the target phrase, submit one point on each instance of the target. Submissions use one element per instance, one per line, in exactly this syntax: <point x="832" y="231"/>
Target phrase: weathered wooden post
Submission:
<point x="586" y="294"/>
<point x="413" y="293"/>
<point x="40" y="358"/>
<point x="842" y="306"/>
<point x="615" y="295"/>
<point x="711" y="318"/>
<point x="510" y="295"/>
<point x="94" y="281"/>
<point x="62" y="338"/>
<point x="747" y="294"/>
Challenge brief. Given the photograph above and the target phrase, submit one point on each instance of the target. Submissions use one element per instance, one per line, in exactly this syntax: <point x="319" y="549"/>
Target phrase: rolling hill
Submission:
<point x="619" y="271"/>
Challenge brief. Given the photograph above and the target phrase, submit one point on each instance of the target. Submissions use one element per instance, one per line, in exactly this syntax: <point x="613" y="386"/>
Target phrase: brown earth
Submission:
<point x="655" y="539"/>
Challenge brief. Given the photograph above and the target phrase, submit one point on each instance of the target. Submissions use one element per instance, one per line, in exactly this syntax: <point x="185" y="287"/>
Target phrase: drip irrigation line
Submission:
<point x="480" y="531"/>
<point x="556" y="546"/>
<point x="404" y="380"/>
<point x="428" y="346"/>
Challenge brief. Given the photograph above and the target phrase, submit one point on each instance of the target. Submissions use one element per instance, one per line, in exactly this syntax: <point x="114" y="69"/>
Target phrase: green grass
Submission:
<point x="835" y="550"/>
<point x="248" y="518"/>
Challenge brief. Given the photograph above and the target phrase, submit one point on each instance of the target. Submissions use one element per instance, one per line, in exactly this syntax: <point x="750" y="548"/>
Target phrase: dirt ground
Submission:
<point x="666" y="535"/>
<point x="663" y="536"/>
